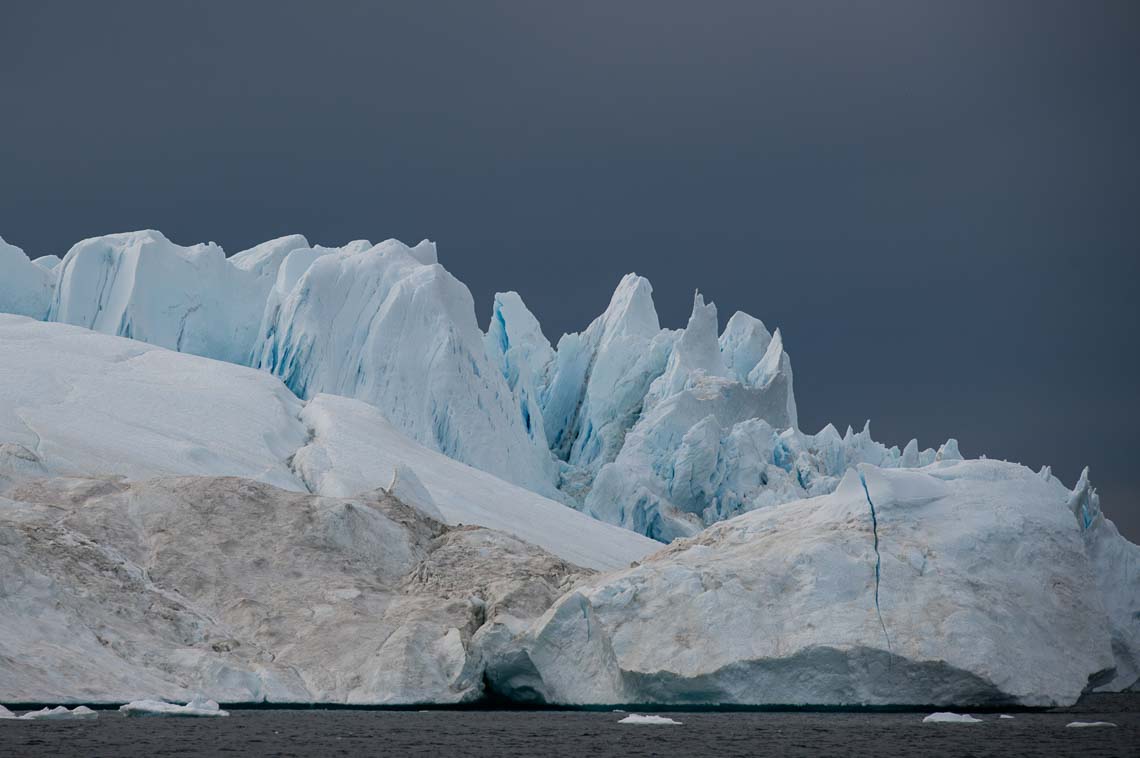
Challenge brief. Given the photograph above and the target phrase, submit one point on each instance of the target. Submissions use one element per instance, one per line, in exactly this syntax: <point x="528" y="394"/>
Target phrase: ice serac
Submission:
<point x="143" y="286"/>
<point x="708" y="430"/>
<point x="389" y="326"/>
<point x="25" y="288"/>
<point x="598" y="381"/>
<point x="515" y="342"/>
<point x="985" y="596"/>
<point x="246" y="593"/>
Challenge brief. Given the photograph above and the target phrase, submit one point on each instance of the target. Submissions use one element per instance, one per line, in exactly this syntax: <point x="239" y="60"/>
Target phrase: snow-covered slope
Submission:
<point x="965" y="583"/>
<point x="79" y="403"/>
<point x="352" y="448"/>
<point x="89" y="404"/>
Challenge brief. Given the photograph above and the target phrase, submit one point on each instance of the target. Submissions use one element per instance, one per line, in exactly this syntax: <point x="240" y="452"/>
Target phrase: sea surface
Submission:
<point x="317" y="732"/>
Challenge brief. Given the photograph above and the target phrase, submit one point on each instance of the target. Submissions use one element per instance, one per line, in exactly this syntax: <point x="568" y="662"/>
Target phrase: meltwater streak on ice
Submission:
<point x="878" y="558"/>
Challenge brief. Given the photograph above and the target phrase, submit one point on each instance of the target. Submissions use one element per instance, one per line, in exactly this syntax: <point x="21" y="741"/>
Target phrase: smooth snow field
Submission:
<point x="584" y="733"/>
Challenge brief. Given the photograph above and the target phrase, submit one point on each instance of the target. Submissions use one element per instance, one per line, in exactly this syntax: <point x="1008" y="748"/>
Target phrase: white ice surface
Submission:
<point x="945" y="717"/>
<point x="76" y="402"/>
<point x="637" y="718"/>
<point x="87" y="403"/>
<point x="197" y="708"/>
<point x="390" y="326"/>
<point x="60" y="713"/>
<point x="1082" y="724"/>
<point x="966" y="582"/>
<point x="352" y="448"/>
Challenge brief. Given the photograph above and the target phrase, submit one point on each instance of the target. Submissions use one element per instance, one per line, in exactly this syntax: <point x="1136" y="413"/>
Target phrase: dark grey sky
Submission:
<point x="938" y="203"/>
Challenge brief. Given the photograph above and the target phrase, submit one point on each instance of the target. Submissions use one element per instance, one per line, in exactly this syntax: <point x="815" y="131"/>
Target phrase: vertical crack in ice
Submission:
<point x="583" y="604"/>
<point x="182" y="326"/>
<point x="291" y="461"/>
<point x="878" y="558"/>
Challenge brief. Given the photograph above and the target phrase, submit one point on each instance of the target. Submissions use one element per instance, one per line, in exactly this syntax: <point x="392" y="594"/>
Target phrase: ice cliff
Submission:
<point x="950" y="585"/>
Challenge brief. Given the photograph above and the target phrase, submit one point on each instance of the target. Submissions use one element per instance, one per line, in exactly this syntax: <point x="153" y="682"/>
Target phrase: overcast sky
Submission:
<point x="937" y="203"/>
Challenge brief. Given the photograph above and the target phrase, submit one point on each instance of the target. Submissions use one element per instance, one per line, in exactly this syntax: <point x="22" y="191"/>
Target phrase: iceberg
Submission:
<point x="1083" y="724"/>
<point x="60" y="713"/>
<point x="198" y="707"/>
<point x="945" y="717"/>
<point x="636" y="718"/>
<point x="335" y="417"/>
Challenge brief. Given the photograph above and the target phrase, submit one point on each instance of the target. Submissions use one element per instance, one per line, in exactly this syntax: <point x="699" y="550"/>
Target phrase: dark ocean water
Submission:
<point x="582" y="733"/>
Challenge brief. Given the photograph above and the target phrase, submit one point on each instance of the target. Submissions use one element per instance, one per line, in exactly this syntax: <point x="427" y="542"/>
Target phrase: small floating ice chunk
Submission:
<point x="1081" y="724"/>
<point x="637" y="718"/>
<point x="197" y="708"/>
<point x="1005" y="716"/>
<point x="60" y="712"/>
<point x="945" y="717"/>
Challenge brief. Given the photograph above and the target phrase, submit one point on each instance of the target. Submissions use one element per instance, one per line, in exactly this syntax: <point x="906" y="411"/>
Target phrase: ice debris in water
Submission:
<point x="198" y="707"/>
<point x="945" y="717"/>
<point x="1080" y="724"/>
<point x="60" y="712"/>
<point x="637" y="718"/>
<point x="1005" y="716"/>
